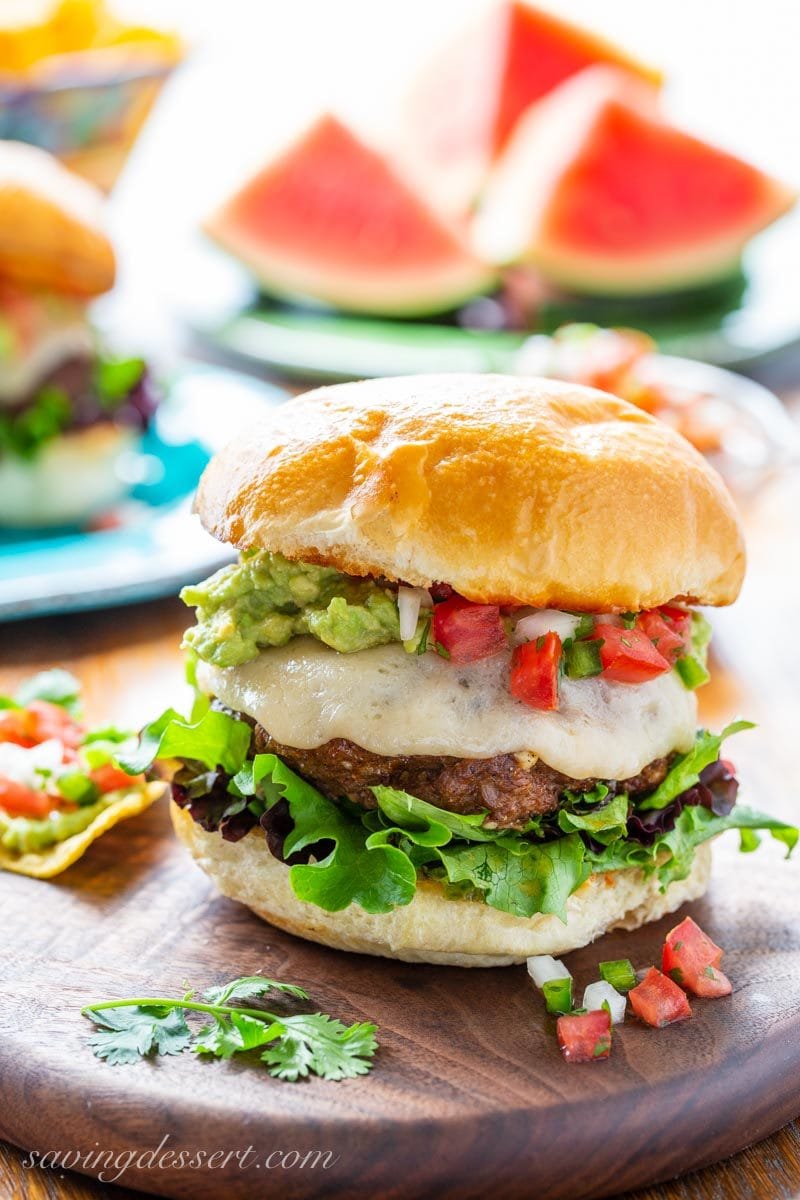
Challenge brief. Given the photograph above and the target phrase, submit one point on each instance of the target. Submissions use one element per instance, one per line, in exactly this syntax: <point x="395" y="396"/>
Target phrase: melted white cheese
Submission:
<point x="18" y="376"/>
<point x="391" y="702"/>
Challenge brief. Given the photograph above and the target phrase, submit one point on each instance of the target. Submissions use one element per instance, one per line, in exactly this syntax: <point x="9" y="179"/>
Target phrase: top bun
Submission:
<point x="512" y="490"/>
<point x="50" y="225"/>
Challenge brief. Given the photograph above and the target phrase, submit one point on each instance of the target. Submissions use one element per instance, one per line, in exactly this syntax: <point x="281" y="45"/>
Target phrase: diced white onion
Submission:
<point x="597" y="993"/>
<point x="409" y="602"/>
<point x="543" y="967"/>
<point x="22" y="764"/>
<point x="608" y="619"/>
<point x="546" y="620"/>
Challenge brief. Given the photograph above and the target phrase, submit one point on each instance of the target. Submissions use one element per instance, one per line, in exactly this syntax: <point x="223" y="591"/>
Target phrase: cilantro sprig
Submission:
<point x="292" y="1046"/>
<point x="56" y="685"/>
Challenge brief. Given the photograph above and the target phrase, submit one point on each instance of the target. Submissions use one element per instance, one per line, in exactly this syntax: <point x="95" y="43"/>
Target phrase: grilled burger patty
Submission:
<point x="512" y="787"/>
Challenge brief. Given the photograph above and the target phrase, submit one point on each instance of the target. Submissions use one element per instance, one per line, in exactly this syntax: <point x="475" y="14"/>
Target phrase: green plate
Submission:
<point x="734" y="323"/>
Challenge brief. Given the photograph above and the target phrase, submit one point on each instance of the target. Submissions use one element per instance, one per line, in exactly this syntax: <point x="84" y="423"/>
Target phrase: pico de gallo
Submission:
<point x="621" y="361"/>
<point x="622" y="648"/>
<point x="690" y="962"/>
<point x="265" y="600"/>
<point x="57" y="777"/>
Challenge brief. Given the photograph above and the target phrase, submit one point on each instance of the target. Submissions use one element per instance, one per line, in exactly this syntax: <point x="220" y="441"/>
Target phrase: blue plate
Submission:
<point x="157" y="545"/>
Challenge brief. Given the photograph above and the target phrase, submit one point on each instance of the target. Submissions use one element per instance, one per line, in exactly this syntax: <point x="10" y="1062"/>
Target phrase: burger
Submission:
<point x="446" y="698"/>
<point x="70" y="414"/>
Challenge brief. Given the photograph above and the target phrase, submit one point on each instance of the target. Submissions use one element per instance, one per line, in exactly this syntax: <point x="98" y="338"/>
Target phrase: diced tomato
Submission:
<point x="586" y="1037"/>
<point x="112" y="779"/>
<point x="16" y="725"/>
<point x="106" y="521"/>
<point x="534" y="672"/>
<point x="692" y="960"/>
<point x="18" y="800"/>
<point x="52" y="721"/>
<point x="658" y="1001"/>
<point x="679" y="619"/>
<point x="666" y="640"/>
<point x="606" y="357"/>
<point x="628" y="655"/>
<point x="38" y="722"/>
<point x="467" y="631"/>
<point x="711" y="983"/>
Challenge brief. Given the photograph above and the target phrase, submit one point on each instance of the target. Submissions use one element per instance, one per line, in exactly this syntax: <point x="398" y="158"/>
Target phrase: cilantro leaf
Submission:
<point x="56" y="686"/>
<point x="685" y="772"/>
<point x="236" y="1034"/>
<point x="249" y="986"/>
<point x="321" y="1044"/>
<point x="296" y="1045"/>
<point x="129" y="1033"/>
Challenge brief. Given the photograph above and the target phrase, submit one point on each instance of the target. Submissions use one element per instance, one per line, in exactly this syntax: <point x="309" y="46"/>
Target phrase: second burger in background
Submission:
<point x="69" y="413"/>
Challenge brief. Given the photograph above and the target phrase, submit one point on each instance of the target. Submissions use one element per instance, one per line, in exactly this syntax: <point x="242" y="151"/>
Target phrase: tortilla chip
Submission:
<point x="46" y="863"/>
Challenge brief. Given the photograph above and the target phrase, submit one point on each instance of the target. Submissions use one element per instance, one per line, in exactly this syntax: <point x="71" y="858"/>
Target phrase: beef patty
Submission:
<point x="512" y="787"/>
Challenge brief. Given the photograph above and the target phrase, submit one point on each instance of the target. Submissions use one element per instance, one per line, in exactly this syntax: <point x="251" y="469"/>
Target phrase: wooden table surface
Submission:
<point x="128" y="661"/>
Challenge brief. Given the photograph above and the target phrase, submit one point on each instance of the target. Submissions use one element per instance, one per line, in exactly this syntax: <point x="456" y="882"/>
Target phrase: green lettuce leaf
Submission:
<point x="693" y="826"/>
<point x="409" y="813"/>
<point x="520" y="877"/>
<point x="605" y="824"/>
<point x="115" y="379"/>
<point x="373" y="858"/>
<point x="216" y="740"/>
<point x="686" y="770"/>
<point x="376" y="877"/>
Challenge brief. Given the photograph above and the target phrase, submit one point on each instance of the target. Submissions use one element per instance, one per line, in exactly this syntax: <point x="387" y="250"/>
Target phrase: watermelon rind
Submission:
<point x="402" y="291"/>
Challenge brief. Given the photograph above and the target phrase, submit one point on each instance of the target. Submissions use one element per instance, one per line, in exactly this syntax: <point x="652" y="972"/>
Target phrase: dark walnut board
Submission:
<point x="469" y="1096"/>
<point x="469" y="1093"/>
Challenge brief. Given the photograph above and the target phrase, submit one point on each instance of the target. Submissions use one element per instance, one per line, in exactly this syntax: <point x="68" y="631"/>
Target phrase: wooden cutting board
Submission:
<point x="469" y="1093"/>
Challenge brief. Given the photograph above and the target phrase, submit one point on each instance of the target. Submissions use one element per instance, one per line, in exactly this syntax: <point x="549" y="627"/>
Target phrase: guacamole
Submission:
<point x="28" y="835"/>
<point x="265" y="600"/>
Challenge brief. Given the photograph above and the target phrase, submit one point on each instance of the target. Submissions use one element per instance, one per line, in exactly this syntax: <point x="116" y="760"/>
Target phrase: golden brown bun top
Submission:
<point x="513" y="490"/>
<point x="51" y="235"/>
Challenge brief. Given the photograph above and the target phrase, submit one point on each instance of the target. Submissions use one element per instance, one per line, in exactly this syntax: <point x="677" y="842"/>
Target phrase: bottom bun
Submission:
<point x="433" y="929"/>
<point x="74" y="477"/>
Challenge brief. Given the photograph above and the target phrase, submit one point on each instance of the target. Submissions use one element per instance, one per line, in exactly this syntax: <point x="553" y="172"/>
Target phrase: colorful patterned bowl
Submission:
<point x="79" y="82"/>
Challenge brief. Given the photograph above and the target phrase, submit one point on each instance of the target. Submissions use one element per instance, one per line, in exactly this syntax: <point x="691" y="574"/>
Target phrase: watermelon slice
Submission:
<point x="462" y="107"/>
<point x="603" y="196"/>
<point x="332" y="220"/>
